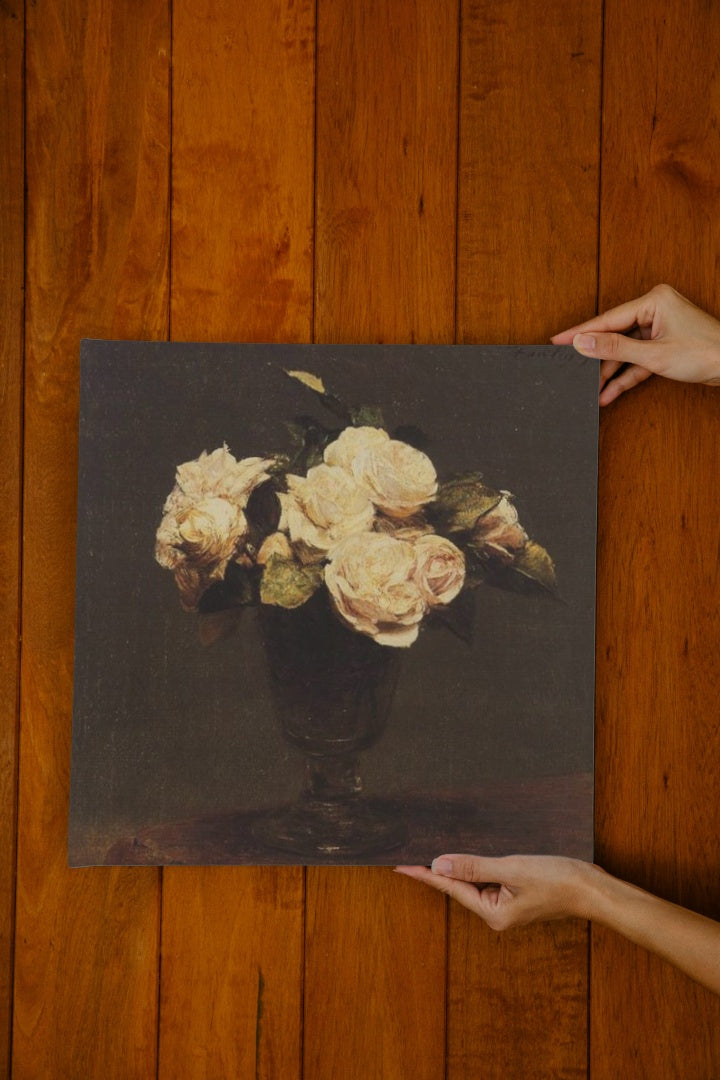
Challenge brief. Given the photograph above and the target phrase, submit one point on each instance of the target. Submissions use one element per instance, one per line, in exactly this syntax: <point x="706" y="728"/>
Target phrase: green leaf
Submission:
<point x="533" y="562"/>
<point x="331" y="402"/>
<point x="531" y="572"/>
<point x="461" y="501"/>
<point x="367" y="416"/>
<point x="307" y="379"/>
<point x="286" y="583"/>
<point x="310" y="440"/>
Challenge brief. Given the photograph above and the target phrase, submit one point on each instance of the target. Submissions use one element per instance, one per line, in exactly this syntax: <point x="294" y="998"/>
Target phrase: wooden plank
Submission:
<point x="386" y="159"/>
<point x="385" y="261"/>
<point x="97" y="234"/>
<point x="12" y="43"/>
<point x="527" y="242"/>
<point x="658" y="755"/>
<point x="529" y="153"/>
<point x="243" y="106"/>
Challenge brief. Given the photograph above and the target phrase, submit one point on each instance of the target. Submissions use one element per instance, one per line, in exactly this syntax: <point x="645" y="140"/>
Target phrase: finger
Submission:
<point x="462" y="891"/>
<point x="621" y="349"/>
<point x="475" y="868"/>
<point x="422" y="873"/>
<point x="625" y="381"/>
<point x="608" y="368"/>
<point x="622" y="317"/>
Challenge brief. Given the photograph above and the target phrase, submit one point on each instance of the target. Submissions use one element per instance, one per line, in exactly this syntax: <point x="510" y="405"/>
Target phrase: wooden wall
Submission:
<point x="364" y="170"/>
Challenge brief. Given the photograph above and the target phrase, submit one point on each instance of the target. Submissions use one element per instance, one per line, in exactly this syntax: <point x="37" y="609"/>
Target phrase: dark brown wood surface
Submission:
<point x="365" y="171"/>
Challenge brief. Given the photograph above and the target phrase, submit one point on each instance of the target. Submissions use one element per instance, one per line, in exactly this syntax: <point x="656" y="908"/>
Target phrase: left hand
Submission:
<point x="514" y="890"/>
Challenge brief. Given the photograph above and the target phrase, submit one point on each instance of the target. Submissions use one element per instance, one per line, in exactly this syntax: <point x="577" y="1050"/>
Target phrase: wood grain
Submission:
<point x="388" y="165"/>
<point x="527" y="243"/>
<point x="657" y="750"/>
<point x="12" y="224"/>
<point x="386" y="171"/>
<point x="97" y="231"/>
<point x="529" y="158"/>
<point x="231" y="972"/>
<point x="385" y="261"/>
<point x="242" y="222"/>
<point x="658" y="792"/>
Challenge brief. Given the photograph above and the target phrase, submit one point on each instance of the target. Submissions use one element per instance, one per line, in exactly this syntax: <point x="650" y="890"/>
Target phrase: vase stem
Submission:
<point x="332" y="777"/>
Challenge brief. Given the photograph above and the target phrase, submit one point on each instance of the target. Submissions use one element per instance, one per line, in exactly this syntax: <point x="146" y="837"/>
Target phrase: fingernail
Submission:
<point x="584" y="341"/>
<point x="442" y="866"/>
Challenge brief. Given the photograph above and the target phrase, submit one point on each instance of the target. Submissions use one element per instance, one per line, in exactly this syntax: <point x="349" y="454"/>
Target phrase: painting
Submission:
<point x="335" y="603"/>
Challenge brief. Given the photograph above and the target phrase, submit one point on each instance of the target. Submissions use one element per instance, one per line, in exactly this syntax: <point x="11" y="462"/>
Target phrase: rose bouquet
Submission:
<point x="353" y="510"/>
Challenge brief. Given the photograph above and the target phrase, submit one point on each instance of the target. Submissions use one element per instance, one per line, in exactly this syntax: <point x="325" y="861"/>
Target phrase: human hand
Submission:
<point x="514" y="890"/>
<point x="521" y="889"/>
<point x="660" y="333"/>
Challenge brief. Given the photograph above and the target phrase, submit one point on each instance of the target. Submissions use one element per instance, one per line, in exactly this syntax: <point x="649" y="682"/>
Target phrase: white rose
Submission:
<point x="322" y="508"/>
<point x="499" y="532"/>
<point x="218" y="473"/>
<point x="203" y="524"/>
<point x="440" y="569"/>
<point x="352" y="443"/>
<point x="398" y="478"/>
<point x="371" y="579"/>
<point x="206" y="532"/>
<point x="210" y="530"/>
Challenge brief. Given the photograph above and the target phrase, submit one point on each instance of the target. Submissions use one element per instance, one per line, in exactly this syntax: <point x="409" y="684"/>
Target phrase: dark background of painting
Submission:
<point x="165" y="728"/>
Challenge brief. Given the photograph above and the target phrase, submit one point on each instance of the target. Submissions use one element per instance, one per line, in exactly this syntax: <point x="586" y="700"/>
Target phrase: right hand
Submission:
<point x="667" y="336"/>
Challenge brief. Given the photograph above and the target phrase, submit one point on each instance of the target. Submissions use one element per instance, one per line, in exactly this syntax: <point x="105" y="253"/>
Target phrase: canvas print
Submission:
<point x="335" y="604"/>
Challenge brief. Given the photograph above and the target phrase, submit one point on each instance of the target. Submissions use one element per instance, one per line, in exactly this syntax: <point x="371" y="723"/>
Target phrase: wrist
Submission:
<point x="596" y="893"/>
<point x="612" y="902"/>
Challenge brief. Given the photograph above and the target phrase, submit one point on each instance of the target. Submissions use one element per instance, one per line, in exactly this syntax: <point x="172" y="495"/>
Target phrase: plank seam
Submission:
<point x="598" y="293"/>
<point x="303" y="950"/>
<point x="171" y="17"/>
<point x="458" y="100"/>
<point x="159" y="972"/>
<point x="587" y="994"/>
<point x="171" y="27"/>
<point x="447" y="986"/>
<point x="20" y="566"/>
<point x="457" y="170"/>
<point x="314" y="176"/>
<point x="303" y="934"/>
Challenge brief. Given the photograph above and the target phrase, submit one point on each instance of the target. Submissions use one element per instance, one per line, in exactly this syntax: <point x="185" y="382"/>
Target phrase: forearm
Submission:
<point x="685" y="939"/>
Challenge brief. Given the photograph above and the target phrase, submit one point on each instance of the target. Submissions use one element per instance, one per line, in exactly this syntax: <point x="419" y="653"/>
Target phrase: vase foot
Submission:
<point x="327" y="829"/>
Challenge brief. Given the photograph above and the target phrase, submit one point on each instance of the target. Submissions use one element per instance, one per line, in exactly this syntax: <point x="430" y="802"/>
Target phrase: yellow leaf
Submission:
<point x="311" y="381"/>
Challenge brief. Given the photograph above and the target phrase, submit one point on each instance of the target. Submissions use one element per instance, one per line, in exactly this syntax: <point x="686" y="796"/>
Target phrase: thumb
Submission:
<point x="467" y="868"/>
<point x="621" y="349"/>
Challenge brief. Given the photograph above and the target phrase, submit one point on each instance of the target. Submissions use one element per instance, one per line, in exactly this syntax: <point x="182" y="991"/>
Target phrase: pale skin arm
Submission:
<point x="660" y="333"/>
<point x="521" y="889"/>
